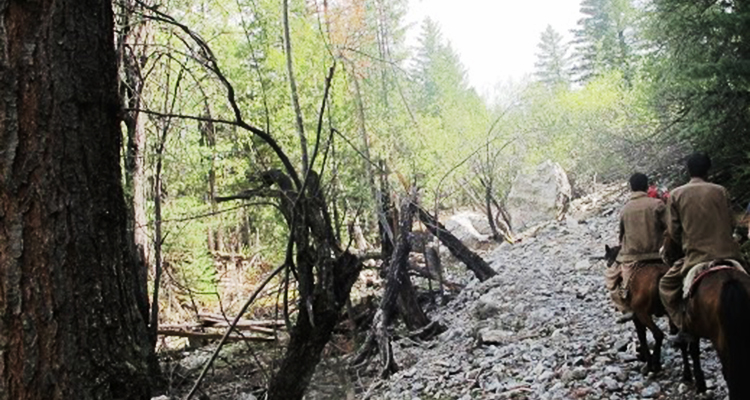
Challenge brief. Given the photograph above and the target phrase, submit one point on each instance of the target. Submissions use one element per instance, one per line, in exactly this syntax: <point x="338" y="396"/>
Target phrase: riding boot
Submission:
<point x="628" y="316"/>
<point x="682" y="337"/>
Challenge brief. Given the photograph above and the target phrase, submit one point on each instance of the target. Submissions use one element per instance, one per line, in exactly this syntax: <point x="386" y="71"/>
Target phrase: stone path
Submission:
<point x="543" y="329"/>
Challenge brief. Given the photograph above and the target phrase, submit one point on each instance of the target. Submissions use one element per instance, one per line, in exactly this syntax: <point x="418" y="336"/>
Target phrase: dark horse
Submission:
<point x="719" y="310"/>
<point x="645" y="302"/>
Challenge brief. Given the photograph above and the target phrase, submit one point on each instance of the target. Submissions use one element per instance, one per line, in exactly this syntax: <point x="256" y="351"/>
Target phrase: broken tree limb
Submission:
<point x="226" y="335"/>
<point x="398" y="296"/>
<point x="207" y="319"/>
<point x="429" y="274"/>
<point x="432" y="261"/>
<point x="472" y="260"/>
<point x="223" y="325"/>
<point x="211" y="335"/>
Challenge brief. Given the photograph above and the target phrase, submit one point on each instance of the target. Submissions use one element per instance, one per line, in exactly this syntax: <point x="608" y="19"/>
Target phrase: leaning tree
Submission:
<point x="70" y="324"/>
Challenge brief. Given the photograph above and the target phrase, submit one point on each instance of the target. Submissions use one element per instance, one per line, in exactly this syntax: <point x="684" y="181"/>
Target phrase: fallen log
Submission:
<point x="472" y="260"/>
<point x="426" y="273"/>
<point x="398" y="296"/>
<point x="210" y="335"/>
<point x="216" y="318"/>
<point x="222" y="325"/>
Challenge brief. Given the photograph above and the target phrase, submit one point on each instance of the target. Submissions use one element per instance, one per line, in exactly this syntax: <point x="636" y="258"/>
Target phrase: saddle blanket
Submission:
<point x="700" y="270"/>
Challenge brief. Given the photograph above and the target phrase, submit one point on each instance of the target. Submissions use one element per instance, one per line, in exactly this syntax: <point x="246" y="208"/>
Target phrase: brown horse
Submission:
<point x="645" y="302"/>
<point x="719" y="310"/>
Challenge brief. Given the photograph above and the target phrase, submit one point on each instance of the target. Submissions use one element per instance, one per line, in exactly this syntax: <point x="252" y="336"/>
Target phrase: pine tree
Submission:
<point x="440" y="75"/>
<point x="704" y="75"/>
<point x="605" y="38"/>
<point x="71" y="326"/>
<point x="426" y="66"/>
<point x="552" y="66"/>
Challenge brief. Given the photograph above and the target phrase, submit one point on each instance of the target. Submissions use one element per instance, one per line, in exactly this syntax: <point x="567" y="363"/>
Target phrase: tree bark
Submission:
<point x="70" y="326"/>
<point x="432" y="260"/>
<point x="496" y="236"/>
<point x="307" y="341"/>
<point x="472" y="260"/>
<point x="132" y="39"/>
<point x="362" y="127"/>
<point x="293" y="87"/>
<point x="398" y="296"/>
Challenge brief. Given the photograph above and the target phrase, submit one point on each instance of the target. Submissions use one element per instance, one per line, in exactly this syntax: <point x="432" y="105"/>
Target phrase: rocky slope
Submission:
<point x="543" y="329"/>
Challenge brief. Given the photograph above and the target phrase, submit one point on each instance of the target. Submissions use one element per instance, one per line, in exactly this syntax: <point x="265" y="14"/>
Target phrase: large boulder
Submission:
<point x="468" y="228"/>
<point x="538" y="195"/>
<point x="477" y="219"/>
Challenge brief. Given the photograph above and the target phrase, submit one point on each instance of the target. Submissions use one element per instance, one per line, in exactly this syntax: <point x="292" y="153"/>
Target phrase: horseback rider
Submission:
<point x="701" y="223"/>
<point x="642" y="226"/>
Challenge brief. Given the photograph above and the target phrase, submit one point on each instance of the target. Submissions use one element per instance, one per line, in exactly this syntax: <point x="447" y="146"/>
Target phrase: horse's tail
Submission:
<point x="734" y="309"/>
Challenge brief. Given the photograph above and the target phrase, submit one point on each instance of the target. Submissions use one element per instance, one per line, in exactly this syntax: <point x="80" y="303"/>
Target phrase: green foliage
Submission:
<point x="412" y="109"/>
<point x="606" y="39"/>
<point x="702" y="65"/>
<point x="187" y="259"/>
<point x="553" y="65"/>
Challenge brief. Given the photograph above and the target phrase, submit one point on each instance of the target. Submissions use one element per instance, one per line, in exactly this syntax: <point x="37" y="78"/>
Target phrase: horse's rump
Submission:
<point x="700" y="270"/>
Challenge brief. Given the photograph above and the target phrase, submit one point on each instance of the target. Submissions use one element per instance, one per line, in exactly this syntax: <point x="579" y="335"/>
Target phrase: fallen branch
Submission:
<point x="426" y="273"/>
<point x="223" y="340"/>
<point x="472" y="260"/>
<point x="214" y="318"/>
<point x="224" y="325"/>
<point x="210" y="335"/>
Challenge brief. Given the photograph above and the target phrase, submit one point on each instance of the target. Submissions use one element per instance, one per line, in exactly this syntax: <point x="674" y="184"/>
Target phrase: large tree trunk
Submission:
<point x="69" y="324"/>
<point x="307" y="341"/>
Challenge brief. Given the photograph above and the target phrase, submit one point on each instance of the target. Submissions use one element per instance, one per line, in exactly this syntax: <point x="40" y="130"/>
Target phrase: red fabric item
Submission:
<point x="653" y="192"/>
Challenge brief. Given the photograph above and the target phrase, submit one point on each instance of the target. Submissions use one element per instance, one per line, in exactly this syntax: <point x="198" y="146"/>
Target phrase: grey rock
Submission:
<point x="611" y="384"/>
<point x="538" y="195"/>
<point x="651" y="390"/>
<point x="494" y="336"/>
<point x="462" y="227"/>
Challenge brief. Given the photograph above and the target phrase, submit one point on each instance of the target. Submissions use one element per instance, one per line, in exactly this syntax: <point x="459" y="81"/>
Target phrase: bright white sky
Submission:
<point x="496" y="39"/>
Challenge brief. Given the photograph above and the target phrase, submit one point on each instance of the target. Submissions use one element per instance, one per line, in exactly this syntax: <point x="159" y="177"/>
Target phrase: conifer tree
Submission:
<point x="605" y="38"/>
<point x="552" y="66"/>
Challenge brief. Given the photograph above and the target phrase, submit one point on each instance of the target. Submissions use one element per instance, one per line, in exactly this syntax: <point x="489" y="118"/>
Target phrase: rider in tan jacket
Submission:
<point x="642" y="226"/>
<point x="701" y="222"/>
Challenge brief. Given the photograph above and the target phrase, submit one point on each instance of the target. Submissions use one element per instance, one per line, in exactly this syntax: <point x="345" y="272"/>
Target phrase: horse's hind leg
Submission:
<point x="687" y="376"/>
<point x="695" y="354"/>
<point x="643" y="353"/>
<point x="654" y="362"/>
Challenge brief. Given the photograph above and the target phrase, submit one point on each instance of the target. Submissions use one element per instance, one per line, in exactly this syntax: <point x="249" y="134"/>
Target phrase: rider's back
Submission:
<point x="700" y="218"/>
<point x="641" y="228"/>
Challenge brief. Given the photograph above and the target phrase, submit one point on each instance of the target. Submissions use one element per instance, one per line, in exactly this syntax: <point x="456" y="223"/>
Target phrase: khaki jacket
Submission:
<point x="642" y="226"/>
<point x="701" y="221"/>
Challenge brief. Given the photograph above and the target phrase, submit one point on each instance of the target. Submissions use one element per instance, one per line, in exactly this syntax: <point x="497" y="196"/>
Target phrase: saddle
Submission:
<point x="629" y="271"/>
<point x="700" y="270"/>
